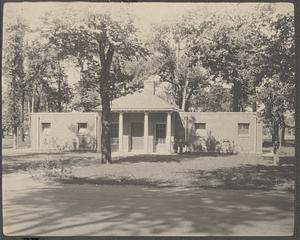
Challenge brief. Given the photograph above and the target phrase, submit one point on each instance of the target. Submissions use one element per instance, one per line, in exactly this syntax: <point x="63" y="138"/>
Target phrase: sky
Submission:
<point x="146" y="14"/>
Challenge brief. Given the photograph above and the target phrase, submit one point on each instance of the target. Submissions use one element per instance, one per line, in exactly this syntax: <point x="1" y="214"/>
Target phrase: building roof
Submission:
<point x="140" y="101"/>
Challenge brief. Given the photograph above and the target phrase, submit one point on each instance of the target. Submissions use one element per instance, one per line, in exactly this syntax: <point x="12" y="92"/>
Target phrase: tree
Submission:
<point x="215" y="98"/>
<point x="47" y="86"/>
<point x="173" y="58"/>
<point x="87" y="90"/>
<point x="110" y="42"/>
<point x="278" y="96"/>
<point x="15" y="76"/>
<point x="233" y="49"/>
<point x="273" y="93"/>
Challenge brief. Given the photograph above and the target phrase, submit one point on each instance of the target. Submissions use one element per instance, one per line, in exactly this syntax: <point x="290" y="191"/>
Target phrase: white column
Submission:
<point x="146" y="131"/>
<point x="168" y="137"/>
<point x="120" y="132"/>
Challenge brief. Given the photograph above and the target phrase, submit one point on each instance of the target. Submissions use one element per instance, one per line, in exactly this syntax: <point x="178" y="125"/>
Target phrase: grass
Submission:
<point x="242" y="171"/>
<point x="7" y="142"/>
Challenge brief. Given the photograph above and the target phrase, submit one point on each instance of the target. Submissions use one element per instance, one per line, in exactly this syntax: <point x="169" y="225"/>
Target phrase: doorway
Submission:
<point x="137" y="136"/>
<point x="160" y="137"/>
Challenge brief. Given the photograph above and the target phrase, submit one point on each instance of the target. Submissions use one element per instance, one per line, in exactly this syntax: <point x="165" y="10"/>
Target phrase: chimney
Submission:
<point x="149" y="87"/>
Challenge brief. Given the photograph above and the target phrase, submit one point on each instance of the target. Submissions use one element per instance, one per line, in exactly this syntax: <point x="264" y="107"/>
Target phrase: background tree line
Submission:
<point x="204" y="62"/>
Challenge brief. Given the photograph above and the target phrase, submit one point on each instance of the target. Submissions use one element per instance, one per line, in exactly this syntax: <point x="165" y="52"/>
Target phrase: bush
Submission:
<point x="211" y="142"/>
<point x="199" y="144"/>
<point x="48" y="169"/>
<point x="225" y="146"/>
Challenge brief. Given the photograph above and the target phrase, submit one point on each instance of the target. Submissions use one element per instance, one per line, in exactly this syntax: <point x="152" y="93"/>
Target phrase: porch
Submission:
<point x="143" y="132"/>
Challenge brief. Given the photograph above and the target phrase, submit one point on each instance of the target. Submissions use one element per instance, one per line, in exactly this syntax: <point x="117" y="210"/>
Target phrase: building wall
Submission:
<point x="64" y="132"/>
<point x="223" y="125"/>
<point x="64" y="129"/>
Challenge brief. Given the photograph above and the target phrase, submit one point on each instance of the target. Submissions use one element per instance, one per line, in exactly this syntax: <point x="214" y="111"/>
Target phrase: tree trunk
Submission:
<point x="275" y="139"/>
<point x="179" y="98"/>
<point x="254" y="106"/>
<point x="283" y="135"/>
<point x="236" y="90"/>
<point x="106" y="60"/>
<point x="15" y="138"/>
<point x="279" y="137"/>
<point x="29" y="119"/>
<point x="184" y="96"/>
<point x="59" y="97"/>
<point x="37" y="104"/>
<point x="32" y="104"/>
<point x="105" y="135"/>
<point x="22" y="135"/>
<point x="106" y="118"/>
<point x="187" y="106"/>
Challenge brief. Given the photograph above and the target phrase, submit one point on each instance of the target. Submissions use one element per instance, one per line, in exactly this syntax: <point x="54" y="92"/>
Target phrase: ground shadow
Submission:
<point x="134" y="210"/>
<point x="165" y="157"/>
<point x="248" y="176"/>
<point x="33" y="161"/>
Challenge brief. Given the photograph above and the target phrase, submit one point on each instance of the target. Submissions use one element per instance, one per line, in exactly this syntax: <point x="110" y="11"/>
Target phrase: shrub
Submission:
<point x="212" y="145"/>
<point x="225" y="146"/>
<point x="199" y="144"/>
<point x="47" y="169"/>
<point x="211" y="142"/>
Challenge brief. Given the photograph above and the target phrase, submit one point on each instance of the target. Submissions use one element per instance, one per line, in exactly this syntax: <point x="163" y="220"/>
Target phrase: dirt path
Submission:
<point x="33" y="208"/>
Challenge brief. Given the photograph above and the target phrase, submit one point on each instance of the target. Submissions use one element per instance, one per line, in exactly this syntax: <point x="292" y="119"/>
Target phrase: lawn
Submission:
<point x="7" y="142"/>
<point x="241" y="171"/>
<point x="72" y="193"/>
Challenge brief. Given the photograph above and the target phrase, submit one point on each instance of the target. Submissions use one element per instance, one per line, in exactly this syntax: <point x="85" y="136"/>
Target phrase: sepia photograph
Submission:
<point x="148" y="119"/>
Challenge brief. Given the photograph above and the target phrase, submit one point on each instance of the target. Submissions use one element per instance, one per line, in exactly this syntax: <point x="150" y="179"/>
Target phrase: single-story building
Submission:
<point x="143" y="122"/>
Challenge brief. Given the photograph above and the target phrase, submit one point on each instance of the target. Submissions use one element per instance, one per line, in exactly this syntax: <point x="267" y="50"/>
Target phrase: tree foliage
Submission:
<point x="14" y="75"/>
<point x="109" y="44"/>
<point x="173" y="60"/>
<point x="277" y="92"/>
<point x="205" y="62"/>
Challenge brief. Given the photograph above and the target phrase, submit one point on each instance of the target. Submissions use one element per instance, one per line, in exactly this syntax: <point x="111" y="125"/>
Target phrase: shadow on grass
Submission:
<point x="24" y="164"/>
<point x="122" y="181"/>
<point x="249" y="176"/>
<point x="25" y="161"/>
<point x="132" y="210"/>
<point x="166" y="158"/>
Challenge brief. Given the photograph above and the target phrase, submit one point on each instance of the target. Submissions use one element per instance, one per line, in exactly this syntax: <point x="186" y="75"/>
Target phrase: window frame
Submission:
<point x="199" y="130"/>
<point x="85" y="128"/>
<point x="43" y="128"/>
<point x="244" y="134"/>
<point x="199" y="124"/>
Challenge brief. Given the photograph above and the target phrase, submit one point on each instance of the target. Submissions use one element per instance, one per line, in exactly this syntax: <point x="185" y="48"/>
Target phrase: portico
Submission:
<point x="145" y="132"/>
<point x="142" y="122"/>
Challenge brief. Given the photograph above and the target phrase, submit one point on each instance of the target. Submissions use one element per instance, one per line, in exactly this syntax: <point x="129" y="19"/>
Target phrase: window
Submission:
<point x="201" y="126"/>
<point x="161" y="133"/>
<point x="82" y="128"/>
<point x="200" y="129"/>
<point x="46" y="128"/>
<point x="290" y="132"/>
<point x="114" y="133"/>
<point x="243" y="129"/>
